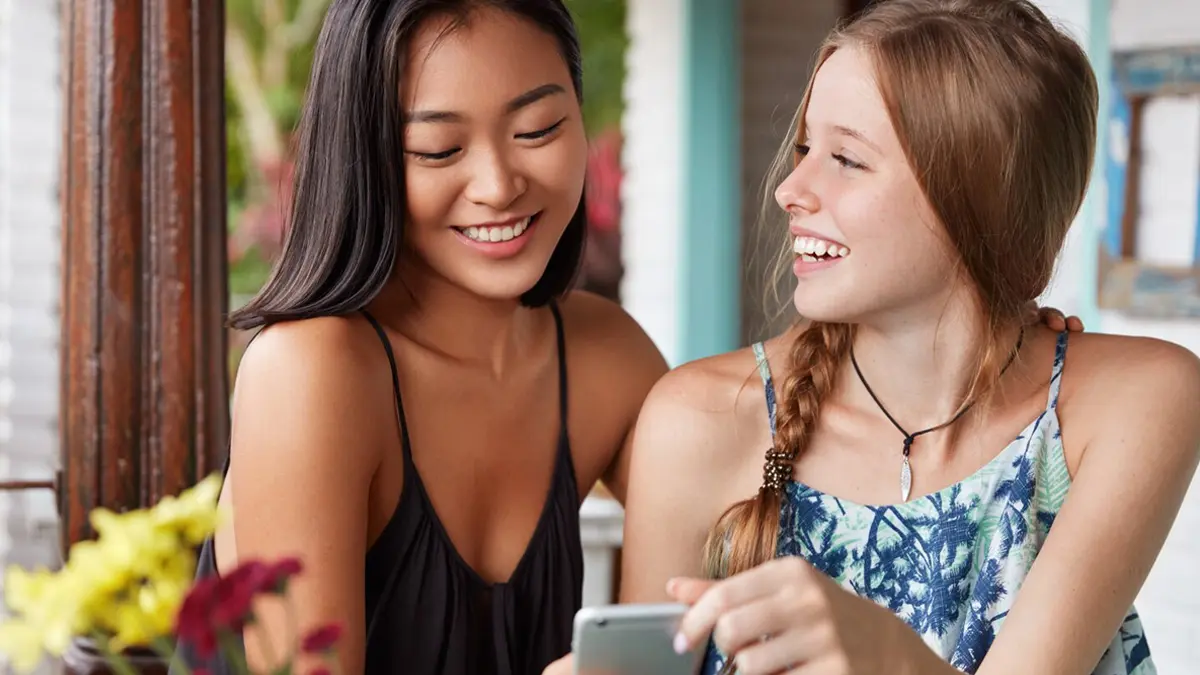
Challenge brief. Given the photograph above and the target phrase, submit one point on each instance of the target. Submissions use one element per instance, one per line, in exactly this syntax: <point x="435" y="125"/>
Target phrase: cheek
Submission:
<point x="558" y="170"/>
<point x="429" y="196"/>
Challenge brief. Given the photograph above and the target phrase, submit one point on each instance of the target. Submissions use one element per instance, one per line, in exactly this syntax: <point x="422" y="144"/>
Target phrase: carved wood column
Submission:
<point x="144" y="402"/>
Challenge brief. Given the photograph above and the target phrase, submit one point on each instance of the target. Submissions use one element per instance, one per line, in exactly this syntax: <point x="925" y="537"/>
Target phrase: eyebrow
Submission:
<point x="857" y="135"/>
<point x="524" y="100"/>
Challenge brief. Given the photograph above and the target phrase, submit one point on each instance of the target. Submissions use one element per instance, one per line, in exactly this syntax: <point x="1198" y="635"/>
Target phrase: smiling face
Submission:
<point x="495" y="152"/>
<point x="866" y="240"/>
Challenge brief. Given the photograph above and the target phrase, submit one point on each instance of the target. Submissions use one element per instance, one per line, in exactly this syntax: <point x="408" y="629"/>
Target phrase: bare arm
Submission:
<point x="619" y="360"/>
<point x="1130" y="483"/>
<point x="681" y="466"/>
<point x="308" y="425"/>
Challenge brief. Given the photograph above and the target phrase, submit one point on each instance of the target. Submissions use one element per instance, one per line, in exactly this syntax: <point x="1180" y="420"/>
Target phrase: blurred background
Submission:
<point x="686" y="102"/>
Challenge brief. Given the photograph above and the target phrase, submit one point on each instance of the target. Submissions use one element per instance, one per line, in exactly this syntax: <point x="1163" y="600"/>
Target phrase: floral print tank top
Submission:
<point x="950" y="564"/>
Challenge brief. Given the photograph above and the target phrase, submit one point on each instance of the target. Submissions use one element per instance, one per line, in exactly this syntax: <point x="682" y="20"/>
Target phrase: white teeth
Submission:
<point x="811" y="247"/>
<point x="498" y="233"/>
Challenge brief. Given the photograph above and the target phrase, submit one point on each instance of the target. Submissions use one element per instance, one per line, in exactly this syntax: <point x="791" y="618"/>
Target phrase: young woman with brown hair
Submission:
<point x="947" y="488"/>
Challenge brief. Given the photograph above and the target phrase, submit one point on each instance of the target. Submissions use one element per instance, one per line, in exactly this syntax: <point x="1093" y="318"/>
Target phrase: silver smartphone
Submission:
<point x="631" y="640"/>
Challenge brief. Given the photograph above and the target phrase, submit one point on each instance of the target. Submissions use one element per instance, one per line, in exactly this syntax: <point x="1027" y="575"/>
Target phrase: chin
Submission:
<point x="824" y="307"/>
<point x="502" y="286"/>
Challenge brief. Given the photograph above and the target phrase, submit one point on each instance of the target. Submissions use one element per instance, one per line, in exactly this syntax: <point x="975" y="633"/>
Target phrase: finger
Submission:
<point x="729" y="594"/>
<point x="751" y="623"/>
<point x="1053" y="318"/>
<point x="688" y="590"/>
<point x="789" y="652"/>
<point x="1075" y="324"/>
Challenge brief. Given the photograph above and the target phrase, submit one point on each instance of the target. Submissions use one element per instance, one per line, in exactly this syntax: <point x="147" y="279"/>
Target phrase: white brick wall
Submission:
<point x="30" y="131"/>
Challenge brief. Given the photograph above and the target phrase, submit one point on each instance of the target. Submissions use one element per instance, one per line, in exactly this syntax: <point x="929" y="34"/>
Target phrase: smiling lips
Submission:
<point x="814" y="249"/>
<point x="499" y="240"/>
<point x="497" y="233"/>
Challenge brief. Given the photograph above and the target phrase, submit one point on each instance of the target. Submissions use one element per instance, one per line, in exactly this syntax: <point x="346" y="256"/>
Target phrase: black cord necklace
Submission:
<point x="905" y="466"/>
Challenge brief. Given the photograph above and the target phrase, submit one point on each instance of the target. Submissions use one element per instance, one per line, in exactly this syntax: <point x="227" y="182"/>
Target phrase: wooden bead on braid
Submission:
<point x="777" y="470"/>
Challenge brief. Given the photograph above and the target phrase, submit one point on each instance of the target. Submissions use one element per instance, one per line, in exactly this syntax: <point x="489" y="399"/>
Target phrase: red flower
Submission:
<point x="280" y="573"/>
<point x="223" y="605"/>
<point x="321" y="639"/>
<point x="191" y="624"/>
<point x="234" y="595"/>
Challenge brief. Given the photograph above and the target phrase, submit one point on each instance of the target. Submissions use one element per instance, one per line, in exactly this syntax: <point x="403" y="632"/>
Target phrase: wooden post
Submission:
<point x="144" y="392"/>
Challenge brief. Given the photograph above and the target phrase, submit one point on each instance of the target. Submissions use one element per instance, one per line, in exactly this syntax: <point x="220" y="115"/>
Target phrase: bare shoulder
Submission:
<point x="1115" y="380"/>
<point x="603" y="330"/>
<point x="705" y="412"/>
<point x="696" y="450"/>
<point x="314" y="386"/>
<point x="1120" y="368"/>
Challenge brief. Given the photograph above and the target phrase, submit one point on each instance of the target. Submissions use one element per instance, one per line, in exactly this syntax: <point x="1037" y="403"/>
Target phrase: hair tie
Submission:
<point x="777" y="470"/>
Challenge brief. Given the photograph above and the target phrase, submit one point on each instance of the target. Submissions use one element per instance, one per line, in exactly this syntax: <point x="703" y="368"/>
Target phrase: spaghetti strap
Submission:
<point x="391" y="357"/>
<point x="562" y="367"/>
<point x="764" y="372"/>
<point x="1060" y="359"/>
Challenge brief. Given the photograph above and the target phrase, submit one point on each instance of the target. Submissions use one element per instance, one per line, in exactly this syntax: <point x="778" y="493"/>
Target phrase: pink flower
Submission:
<point x="321" y="639"/>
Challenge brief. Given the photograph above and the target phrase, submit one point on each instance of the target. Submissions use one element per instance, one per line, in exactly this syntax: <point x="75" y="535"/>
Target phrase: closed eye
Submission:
<point x="542" y="133"/>
<point x="847" y="162"/>
<point x="801" y="151"/>
<point x="435" y="156"/>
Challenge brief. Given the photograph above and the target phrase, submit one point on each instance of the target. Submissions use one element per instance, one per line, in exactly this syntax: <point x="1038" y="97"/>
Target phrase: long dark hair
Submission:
<point x="346" y="220"/>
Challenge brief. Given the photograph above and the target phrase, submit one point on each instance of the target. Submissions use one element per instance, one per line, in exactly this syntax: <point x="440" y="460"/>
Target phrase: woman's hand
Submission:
<point x="1054" y="319"/>
<point x="785" y="616"/>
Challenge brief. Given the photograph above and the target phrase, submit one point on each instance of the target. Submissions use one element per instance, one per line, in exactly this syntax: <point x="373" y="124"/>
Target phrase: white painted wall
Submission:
<point x="652" y="197"/>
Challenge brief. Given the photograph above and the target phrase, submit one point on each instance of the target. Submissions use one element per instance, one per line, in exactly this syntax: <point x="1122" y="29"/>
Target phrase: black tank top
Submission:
<point x="429" y="612"/>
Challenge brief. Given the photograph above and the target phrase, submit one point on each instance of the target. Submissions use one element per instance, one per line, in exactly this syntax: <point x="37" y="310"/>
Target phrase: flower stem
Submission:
<point x="236" y="656"/>
<point x="163" y="648"/>
<point x="114" y="659"/>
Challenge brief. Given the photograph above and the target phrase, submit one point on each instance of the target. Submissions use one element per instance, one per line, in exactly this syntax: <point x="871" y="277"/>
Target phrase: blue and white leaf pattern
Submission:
<point x="950" y="564"/>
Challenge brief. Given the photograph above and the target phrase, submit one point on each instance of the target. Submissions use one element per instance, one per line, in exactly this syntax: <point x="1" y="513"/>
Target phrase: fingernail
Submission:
<point x="680" y="643"/>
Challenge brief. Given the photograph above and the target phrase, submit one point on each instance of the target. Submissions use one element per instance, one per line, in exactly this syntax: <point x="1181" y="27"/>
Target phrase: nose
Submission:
<point x="495" y="182"/>
<point x="795" y="194"/>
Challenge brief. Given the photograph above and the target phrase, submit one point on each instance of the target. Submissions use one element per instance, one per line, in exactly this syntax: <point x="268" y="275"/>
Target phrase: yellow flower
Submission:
<point x="21" y="643"/>
<point x="148" y="615"/>
<point x="126" y="584"/>
<point x="24" y="590"/>
<point x="194" y="513"/>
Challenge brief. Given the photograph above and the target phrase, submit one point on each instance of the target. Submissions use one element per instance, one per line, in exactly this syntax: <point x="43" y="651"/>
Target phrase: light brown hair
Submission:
<point x="995" y="108"/>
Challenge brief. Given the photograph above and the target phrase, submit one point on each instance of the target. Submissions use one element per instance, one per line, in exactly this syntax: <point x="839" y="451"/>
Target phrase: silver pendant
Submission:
<point x="905" y="480"/>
